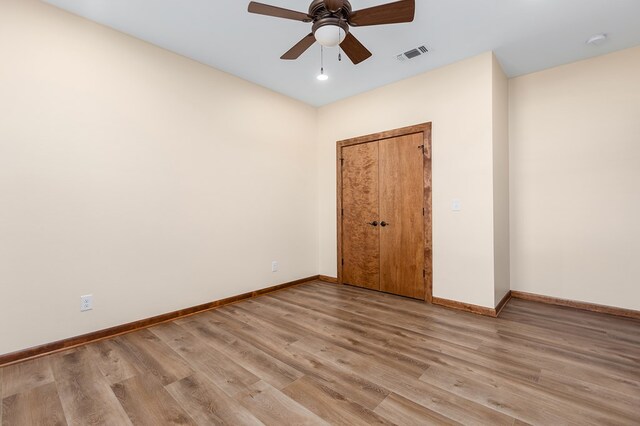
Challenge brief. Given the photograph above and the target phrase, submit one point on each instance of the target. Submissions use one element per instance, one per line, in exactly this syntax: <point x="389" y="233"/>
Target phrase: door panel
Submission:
<point x="360" y="241"/>
<point x="401" y="205"/>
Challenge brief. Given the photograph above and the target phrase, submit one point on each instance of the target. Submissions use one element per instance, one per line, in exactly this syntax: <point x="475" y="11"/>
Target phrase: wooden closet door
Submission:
<point x="360" y="240"/>
<point x="401" y="206"/>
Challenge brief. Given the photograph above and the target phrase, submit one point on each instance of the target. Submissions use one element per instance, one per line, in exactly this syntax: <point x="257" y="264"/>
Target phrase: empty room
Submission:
<point x="319" y="212"/>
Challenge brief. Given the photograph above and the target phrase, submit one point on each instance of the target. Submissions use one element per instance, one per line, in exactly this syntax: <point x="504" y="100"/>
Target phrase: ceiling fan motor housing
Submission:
<point x="318" y="10"/>
<point x="323" y="17"/>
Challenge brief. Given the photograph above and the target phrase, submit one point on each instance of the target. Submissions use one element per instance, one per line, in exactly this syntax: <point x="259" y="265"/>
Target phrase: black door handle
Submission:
<point x="374" y="223"/>
<point x="383" y="224"/>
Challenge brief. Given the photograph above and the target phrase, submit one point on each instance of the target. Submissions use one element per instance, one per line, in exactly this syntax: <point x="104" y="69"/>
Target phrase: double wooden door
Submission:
<point x="382" y="215"/>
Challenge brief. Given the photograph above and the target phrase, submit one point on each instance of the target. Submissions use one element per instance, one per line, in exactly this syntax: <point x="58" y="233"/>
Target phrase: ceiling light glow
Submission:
<point x="597" y="39"/>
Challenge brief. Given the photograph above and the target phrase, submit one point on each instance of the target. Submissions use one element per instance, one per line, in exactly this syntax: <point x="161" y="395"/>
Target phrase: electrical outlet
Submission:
<point x="86" y="302"/>
<point x="274" y="266"/>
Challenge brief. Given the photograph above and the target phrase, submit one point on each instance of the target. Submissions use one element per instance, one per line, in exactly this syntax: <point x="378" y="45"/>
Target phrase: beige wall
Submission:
<point x="575" y="181"/>
<point x="146" y="179"/>
<point x="458" y="100"/>
<point x="500" y="104"/>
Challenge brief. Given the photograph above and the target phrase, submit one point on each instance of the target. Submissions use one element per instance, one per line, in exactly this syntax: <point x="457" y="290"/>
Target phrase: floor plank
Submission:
<point x="147" y="402"/>
<point x="35" y="406"/>
<point x="145" y="349"/>
<point x="208" y="404"/>
<point x="401" y="411"/>
<point x="271" y="370"/>
<point x="330" y="405"/>
<point x="216" y="366"/>
<point x="85" y="394"/>
<point x="21" y="377"/>
<point x="599" y="397"/>
<point x="275" y="408"/>
<point x="359" y="390"/>
<point x="432" y="397"/>
<point x="111" y="358"/>
<point x="506" y="397"/>
<point x="320" y="353"/>
<point x="345" y="333"/>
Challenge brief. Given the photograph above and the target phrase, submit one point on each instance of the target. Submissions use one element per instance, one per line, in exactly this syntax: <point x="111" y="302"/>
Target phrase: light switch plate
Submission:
<point x="456" y="205"/>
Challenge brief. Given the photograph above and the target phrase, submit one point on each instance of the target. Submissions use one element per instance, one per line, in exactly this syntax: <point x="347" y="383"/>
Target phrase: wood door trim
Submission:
<point x="425" y="129"/>
<point x="107" y="333"/>
<point x="404" y="131"/>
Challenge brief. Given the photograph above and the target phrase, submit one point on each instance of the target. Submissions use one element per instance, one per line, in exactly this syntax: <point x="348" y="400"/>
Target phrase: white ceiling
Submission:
<point x="527" y="36"/>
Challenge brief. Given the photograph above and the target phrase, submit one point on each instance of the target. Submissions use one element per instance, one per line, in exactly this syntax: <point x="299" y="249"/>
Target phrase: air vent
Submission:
<point x="413" y="53"/>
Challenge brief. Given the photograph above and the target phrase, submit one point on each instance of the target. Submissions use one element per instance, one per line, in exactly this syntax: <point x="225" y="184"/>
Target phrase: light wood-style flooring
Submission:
<point x="320" y="353"/>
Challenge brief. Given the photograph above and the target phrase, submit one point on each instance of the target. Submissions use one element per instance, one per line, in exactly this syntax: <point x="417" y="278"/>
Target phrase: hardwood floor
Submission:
<point x="326" y="354"/>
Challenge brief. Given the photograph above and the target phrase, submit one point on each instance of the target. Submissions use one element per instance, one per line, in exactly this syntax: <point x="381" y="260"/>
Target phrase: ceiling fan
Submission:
<point x="332" y="20"/>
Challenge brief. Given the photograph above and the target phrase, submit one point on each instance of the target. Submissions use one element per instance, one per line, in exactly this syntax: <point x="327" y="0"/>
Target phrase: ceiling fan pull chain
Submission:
<point x="322" y="76"/>
<point x="339" y="48"/>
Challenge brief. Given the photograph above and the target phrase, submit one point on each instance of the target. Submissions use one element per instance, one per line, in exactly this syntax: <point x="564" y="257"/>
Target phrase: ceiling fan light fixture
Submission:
<point x="330" y="35"/>
<point x="330" y="31"/>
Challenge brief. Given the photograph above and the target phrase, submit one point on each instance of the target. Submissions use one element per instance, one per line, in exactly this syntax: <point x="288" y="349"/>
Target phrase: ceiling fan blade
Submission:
<point x="354" y="49"/>
<point x="390" y="13"/>
<point x="278" y="12"/>
<point x="333" y="5"/>
<point x="300" y="47"/>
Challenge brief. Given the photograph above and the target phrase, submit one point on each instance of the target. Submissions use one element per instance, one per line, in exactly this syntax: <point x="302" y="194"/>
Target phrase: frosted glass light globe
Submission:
<point x="330" y="35"/>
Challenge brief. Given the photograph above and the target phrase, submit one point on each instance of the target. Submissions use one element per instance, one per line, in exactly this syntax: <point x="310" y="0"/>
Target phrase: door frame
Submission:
<point x="425" y="129"/>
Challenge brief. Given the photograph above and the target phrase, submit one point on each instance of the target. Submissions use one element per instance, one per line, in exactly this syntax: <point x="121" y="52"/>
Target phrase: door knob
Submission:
<point x="383" y="223"/>
<point x="374" y="223"/>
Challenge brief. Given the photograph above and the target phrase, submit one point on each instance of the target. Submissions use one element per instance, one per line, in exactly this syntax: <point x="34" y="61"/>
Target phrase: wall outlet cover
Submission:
<point x="86" y="302"/>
